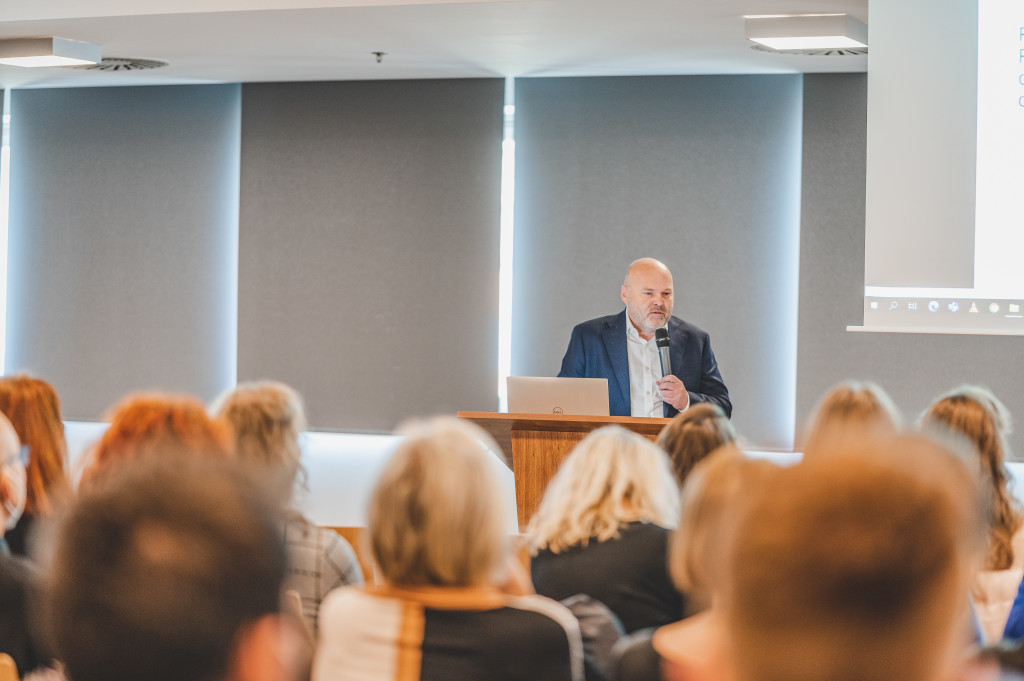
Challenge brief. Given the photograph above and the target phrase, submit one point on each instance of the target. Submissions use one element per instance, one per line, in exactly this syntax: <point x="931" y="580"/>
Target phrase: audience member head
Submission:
<point x="711" y="491"/>
<point x="267" y="419"/>
<point x="976" y="415"/>
<point x="854" y="566"/>
<point x="611" y="478"/>
<point x="851" y="410"/>
<point x="694" y="434"/>
<point x="149" y="424"/>
<point x="33" y="409"/>
<point x="13" y="491"/>
<point x="438" y="514"/>
<point x="170" y="570"/>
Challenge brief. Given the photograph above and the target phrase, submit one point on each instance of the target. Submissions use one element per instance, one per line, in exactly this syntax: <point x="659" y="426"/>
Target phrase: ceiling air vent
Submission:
<point x="124" y="64"/>
<point x="832" y="52"/>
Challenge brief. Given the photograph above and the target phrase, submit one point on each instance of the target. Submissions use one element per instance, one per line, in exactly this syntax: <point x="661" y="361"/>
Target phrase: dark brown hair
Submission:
<point x="694" y="434"/>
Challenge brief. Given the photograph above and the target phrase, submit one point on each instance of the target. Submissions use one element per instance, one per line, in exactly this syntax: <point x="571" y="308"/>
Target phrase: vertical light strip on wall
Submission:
<point x="5" y="195"/>
<point x="508" y="174"/>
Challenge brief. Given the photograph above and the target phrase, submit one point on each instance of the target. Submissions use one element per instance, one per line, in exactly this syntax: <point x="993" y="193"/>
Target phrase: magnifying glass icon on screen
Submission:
<point x="893" y="305"/>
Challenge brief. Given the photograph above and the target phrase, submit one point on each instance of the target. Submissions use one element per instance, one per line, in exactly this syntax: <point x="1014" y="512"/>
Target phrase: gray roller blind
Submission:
<point x="123" y="240"/>
<point x="369" y="246"/>
<point x="700" y="172"/>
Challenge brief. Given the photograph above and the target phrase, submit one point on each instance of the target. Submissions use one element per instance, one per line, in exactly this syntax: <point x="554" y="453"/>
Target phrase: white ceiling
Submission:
<point x="215" y="41"/>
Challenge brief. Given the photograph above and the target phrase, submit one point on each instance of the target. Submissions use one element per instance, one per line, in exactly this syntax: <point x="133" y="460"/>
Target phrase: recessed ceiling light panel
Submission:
<point x="837" y="31"/>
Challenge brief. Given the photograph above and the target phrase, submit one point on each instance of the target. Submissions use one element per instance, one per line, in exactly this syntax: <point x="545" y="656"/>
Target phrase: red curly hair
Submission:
<point x="146" y="424"/>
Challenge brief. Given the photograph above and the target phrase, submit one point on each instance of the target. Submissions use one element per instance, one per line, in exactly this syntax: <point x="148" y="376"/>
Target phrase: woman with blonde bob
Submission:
<point x="438" y="527"/>
<point x="603" y="525"/>
<point x="976" y="414"/>
<point x="32" y="407"/>
<point x="851" y="410"/>
<point x="694" y="434"/>
<point x="268" y="419"/>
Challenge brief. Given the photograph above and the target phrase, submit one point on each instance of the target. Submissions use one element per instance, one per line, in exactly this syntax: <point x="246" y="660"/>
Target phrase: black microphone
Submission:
<point x="661" y="338"/>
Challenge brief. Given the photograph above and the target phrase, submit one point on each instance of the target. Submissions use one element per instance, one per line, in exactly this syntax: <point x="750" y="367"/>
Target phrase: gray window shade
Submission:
<point x="123" y="238"/>
<point x="369" y="246"/>
<point x="701" y="172"/>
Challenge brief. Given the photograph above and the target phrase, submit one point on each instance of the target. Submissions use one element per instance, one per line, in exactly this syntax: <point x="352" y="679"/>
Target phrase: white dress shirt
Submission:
<point x="644" y="370"/>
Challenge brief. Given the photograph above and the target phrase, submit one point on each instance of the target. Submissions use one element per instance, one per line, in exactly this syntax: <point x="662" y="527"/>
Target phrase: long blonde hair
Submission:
<point x="976" y="414"/>
<point x="611" y="478"/>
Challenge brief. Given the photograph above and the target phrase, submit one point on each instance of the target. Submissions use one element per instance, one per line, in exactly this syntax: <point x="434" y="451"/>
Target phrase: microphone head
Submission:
<point x="661" y="337"/>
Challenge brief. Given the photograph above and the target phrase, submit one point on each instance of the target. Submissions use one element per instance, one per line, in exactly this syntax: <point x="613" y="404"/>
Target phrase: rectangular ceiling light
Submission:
<point x="808" y="32"/>
<point x="47" y="52"/>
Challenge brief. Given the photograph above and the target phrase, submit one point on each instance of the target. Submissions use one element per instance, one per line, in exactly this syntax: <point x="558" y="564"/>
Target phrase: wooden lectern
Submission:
<point x="536" y="444"/>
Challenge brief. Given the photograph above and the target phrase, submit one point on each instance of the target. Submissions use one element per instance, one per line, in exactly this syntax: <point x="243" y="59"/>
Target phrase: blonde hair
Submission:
<point x="694" y="434"/>
<point x="853" y="565"/>
<point x="267" y="418"/>
<point x="611" y="478"/>
<point x="713" y="489"/>
<point x="977" y="415"/>
<point x="851" y="409"/>
<point x="437" y="515"/>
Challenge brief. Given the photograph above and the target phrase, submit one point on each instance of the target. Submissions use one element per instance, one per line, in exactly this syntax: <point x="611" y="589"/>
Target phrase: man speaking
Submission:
<point x="643" y="378"/>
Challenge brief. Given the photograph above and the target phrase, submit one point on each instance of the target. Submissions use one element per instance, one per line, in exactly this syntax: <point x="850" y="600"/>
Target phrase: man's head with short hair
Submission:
<point x="854" y="566"/>
<point x="169" y="570"/>
<point x="647" y="293"/>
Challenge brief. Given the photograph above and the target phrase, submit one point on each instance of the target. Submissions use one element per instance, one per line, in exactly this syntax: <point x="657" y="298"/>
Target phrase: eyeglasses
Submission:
<point x="22" y="456"/>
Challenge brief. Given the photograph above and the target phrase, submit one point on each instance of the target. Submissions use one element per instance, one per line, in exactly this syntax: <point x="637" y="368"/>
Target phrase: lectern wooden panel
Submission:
<point x="536" y="444"/>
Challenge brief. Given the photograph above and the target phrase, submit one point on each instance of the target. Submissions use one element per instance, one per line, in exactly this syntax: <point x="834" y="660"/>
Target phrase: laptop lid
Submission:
<point x="543" y="395"/>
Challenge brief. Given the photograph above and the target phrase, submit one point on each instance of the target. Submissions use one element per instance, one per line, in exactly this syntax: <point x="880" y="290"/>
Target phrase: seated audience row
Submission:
<point x="861" y="561"/>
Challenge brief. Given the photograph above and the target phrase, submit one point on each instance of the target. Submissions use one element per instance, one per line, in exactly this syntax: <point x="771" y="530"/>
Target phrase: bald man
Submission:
<point x="621" y="348"/>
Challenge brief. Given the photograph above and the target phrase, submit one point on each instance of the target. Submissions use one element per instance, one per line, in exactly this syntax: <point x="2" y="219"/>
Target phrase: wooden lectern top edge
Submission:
<point x="564" y="421"/>
<point x="501" y="425"/>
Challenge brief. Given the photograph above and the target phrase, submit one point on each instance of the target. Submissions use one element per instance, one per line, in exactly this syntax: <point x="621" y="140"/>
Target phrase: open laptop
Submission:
<point x="543" y="395"/>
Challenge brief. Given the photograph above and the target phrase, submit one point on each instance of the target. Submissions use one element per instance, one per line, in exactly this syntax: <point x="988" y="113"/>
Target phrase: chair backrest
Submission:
<point x="8" y="670"/>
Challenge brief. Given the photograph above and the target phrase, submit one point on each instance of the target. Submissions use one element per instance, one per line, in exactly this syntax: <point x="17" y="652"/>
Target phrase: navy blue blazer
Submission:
<point x="597" y="349"/>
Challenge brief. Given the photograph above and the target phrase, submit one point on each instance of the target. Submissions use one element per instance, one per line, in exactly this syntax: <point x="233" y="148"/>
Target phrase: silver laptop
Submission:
<point x="542" y="395"/>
